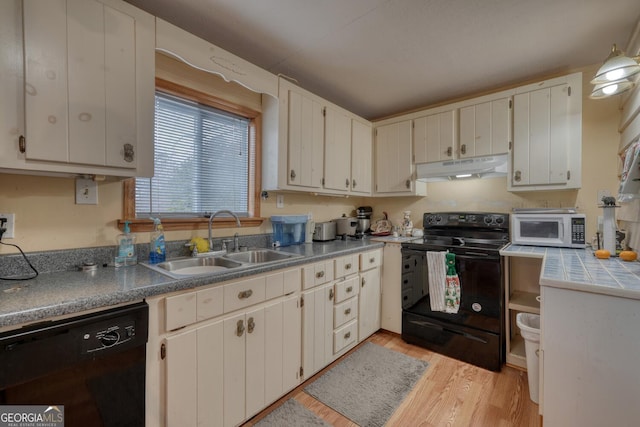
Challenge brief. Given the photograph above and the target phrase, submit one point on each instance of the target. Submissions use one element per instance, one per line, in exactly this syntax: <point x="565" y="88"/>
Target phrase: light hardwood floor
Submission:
<point x="450" y="393"/>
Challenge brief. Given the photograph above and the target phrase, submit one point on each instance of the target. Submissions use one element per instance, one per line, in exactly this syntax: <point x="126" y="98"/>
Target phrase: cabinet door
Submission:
<point x="369" y="303"/>
<point x="485" y="128"/>
<point x="361" y="157"/>
<point x="210" y="364"/>
<point x="181" y="379"/>
<point x="292" y="343"/>
<point x="234" y="369"/>
<point x="435" y="137"/>
<point x="305" y="140"/>
<point x="391" y="288"/>
<point x="257" y="357"/>
<point x="317" y="324"/>
<point x="337" y="151"/>
<point x="394" y="158"/>
<point x="541" y="137"/>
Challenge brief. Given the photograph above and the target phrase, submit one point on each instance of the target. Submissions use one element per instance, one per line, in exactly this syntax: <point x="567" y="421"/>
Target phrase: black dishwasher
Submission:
<point x="92" y="365"/>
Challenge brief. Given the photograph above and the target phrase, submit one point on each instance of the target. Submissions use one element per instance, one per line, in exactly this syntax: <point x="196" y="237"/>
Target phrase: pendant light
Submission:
<point x="614" y="76"/>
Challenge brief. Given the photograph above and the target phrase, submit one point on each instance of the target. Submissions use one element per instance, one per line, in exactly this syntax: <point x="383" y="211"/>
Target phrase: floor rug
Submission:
<point x="369" y="384"/>
<point x="291" y="413"/>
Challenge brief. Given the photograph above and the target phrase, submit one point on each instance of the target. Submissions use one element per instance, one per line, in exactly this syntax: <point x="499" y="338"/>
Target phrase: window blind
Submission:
<point x="203" y="161"/>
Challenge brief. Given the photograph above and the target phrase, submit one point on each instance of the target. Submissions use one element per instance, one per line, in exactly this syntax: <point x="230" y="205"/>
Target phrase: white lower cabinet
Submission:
<point x="317" y="328"/>
<point x="369" y="310"/>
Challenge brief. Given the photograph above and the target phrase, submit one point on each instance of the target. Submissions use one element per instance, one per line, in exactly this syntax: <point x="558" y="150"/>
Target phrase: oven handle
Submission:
<point x="478" y="255"/>
<point x="453" y="331"/>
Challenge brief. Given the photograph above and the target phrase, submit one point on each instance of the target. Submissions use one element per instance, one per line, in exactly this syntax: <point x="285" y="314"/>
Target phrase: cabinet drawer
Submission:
<point x="346" y="265"/>
<point x="181" y="310"/>
<point x="317" y="274"/>
<point x="345" y="336"/>
<point x="371" y="259"/>
<point x="209" y="303"/>
<point x="274" y="285"/>
<point x="292" y="281"/>
<point x="345" y="312"/>
<point x="346" y="289"/>
<point x="244" y="293"/>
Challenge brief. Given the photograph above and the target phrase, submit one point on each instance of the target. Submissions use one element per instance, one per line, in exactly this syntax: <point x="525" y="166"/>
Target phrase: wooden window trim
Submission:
<point x="192" y="223"/>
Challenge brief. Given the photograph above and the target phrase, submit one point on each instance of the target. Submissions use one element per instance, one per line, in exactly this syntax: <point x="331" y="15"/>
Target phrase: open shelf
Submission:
<point x="516" y="355"/>
<point x="524" y="301"/>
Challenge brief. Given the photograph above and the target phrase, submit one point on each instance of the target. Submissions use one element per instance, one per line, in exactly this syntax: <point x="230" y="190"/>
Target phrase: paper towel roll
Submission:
<point x="609" y="229"/>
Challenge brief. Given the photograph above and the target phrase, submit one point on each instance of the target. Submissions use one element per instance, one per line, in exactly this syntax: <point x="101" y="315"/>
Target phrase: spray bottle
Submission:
<point x="157" y="249"/>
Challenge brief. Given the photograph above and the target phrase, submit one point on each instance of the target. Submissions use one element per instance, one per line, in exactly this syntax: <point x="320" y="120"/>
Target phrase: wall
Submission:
<point x="47" y="217"/>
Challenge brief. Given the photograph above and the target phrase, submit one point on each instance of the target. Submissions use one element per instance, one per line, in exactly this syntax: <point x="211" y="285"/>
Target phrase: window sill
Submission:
<point x="174" y="224"/>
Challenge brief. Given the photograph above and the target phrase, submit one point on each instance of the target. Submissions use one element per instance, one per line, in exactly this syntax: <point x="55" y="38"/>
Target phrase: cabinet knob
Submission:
<point x="353" y="183"/>
<point x="320" y="274"/>
<point x="251" y="325"/>
<point x="518" y="176"/>
<point x="240" y="328"/>
<point x="347" y="267"/>
<point x="22" y="144"/>
<point x="408" y="183"/>
<point x="330" y="294"/>
<point x="347" y="183"/>
<point x="347" y="311"/>
<point x="349" y="289"/>
<point x="449" y="151"/>
<point x="245" y="294"/>
<point x="292" y="175"/>
<point x="463" y="149"/>
<point x="363" y="282"/>
<point x="347" y="335"/>
<point x="128" y="153"/>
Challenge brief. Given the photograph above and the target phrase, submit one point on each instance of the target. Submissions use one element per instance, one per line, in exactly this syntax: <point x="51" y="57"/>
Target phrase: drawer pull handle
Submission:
<point x="251" y="325"/>
<point x="347" y="335"/>
<point x="349" y="289"/>
<point x="363" y="282"/>
<point x="330" y="294"/>
<point x="239" y="328"/>
<point x="245" y="294"/>
<point x="320" y="274"/>
<point x="348" y="266"/>
<point x="347" y="311"/>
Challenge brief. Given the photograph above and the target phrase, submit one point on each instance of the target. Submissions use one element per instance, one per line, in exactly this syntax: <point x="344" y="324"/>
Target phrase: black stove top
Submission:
<point x="463" y="230"/>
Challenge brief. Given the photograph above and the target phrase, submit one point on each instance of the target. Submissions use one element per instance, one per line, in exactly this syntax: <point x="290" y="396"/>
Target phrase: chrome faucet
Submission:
<point x="213" y="215"/>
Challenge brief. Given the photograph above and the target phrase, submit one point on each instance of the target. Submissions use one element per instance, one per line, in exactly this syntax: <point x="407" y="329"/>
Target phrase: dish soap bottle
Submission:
<point x="157" y="250"/>
<point x="126" y="252"/>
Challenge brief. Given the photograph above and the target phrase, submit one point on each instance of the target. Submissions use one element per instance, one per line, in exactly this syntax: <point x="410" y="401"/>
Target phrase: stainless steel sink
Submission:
<point x="259" y="256"/>
<point x="185" y="267"/>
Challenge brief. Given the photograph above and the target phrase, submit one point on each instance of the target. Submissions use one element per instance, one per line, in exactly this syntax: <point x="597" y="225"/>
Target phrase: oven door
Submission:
<point x="481" y="289"/>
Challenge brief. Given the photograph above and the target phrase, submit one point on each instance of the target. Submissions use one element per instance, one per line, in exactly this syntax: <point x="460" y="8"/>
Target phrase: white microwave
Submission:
<point x="563" y="230"/>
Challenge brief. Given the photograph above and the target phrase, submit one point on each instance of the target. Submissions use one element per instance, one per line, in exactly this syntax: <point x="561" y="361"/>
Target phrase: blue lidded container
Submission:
<point x="288" y="229"/>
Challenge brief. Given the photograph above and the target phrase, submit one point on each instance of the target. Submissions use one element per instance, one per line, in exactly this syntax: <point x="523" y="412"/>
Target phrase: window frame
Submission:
<point x="195" y="223"/>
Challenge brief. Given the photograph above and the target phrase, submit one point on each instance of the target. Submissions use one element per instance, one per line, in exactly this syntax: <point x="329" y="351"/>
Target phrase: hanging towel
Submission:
<point x="437" y="279"/>
<point x="452" y="287"/>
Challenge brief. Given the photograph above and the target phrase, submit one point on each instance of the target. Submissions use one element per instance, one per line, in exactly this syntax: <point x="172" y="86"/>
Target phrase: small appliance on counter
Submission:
<point x="346" y="226"/>
<point x="363" y="215"/>
<point x="324" y="231"/>
<point x="289" y="229"/>
<point x="557" y="227"/>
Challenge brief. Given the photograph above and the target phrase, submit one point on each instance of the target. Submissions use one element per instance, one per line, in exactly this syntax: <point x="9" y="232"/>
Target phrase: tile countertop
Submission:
<point x="62" y="293"/>
<point x="580" y="270"/>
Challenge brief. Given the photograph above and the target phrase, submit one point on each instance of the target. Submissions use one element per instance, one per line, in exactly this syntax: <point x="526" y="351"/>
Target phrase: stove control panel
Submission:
<point x="466" y="219"/>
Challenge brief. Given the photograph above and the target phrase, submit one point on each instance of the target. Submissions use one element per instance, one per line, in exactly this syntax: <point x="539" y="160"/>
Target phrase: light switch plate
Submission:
<point x="280" y="201"/>
<point x="86" y="192"/>
<point x="9" y="225"/>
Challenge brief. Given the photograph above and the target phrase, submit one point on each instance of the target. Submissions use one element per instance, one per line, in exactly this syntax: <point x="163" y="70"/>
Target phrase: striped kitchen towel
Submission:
<point x="436" y="268"/>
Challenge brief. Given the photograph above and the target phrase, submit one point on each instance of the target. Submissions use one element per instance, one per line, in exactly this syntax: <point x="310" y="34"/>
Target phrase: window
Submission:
<point x="205" y="160"/>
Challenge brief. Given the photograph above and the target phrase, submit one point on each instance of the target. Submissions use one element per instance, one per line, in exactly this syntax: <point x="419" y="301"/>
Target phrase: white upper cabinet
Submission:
<point x="394" y="173"/>
<point x="547" y="137"/>
<point x="317" y="147"/>
<point x="485" y="128"/>
<point x="89" y="89"/>
<point x="435" y="137"/>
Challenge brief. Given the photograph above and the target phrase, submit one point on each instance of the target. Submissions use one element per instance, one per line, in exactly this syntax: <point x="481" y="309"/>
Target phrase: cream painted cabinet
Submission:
<point x="547" y="135"/>
<point x="391" y="306"/>
<point x="435" y="137"/>
<point x="485" y="128"/>
<point x="361" y="157"/>
<point x="370" y="294"/>
<point x="317" y="324"/>
<point x="337" y="150"/>
<point x="89" y="89"/>
<point x="302" y="125"/>
<point x="393" y="159"/>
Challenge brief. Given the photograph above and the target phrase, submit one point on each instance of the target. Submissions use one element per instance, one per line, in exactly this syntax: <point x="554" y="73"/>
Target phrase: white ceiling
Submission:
<point x="379" y="57"/>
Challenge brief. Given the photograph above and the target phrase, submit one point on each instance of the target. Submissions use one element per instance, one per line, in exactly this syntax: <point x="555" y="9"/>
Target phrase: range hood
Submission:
<point x="472" y="167"/>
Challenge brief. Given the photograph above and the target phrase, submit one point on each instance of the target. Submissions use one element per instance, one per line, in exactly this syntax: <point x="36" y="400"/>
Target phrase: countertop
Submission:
<point x="579" y="269"/>
<point x="62" y="293"/>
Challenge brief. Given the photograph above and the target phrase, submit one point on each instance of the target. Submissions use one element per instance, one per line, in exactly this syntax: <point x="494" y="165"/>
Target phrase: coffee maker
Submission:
<point x="363" y="215"/>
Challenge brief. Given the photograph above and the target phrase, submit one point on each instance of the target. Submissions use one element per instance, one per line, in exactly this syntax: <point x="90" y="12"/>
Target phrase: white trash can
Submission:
<point x="529" y="325"/>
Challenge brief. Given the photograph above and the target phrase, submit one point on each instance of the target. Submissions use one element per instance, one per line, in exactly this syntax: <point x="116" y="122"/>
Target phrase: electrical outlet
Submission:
<point x="280" y="201"/>
<point x="86" y="192"/>
<point x="9" y="225"/>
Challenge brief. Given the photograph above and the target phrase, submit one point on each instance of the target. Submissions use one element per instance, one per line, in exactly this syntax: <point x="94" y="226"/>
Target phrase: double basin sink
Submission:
<point x="211" y="264"/>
